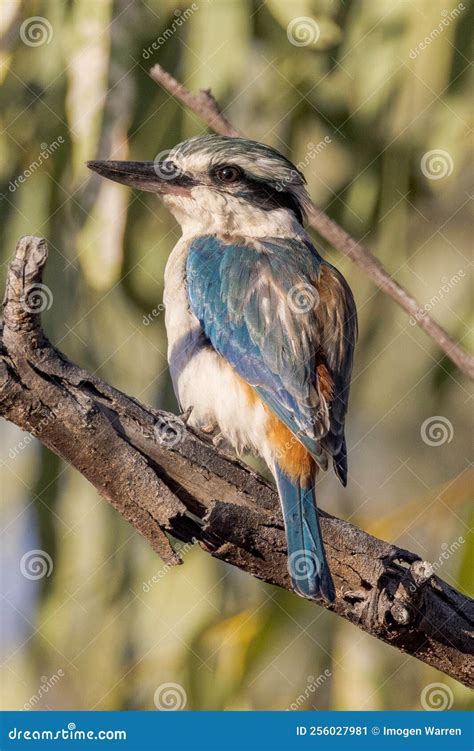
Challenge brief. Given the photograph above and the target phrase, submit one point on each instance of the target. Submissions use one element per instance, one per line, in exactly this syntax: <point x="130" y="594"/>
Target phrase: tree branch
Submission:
<point x="207" y="108"/>
<point x="166" y="479"/>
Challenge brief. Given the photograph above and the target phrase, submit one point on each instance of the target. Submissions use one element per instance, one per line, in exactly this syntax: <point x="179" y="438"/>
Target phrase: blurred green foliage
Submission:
<point x="363" y="88"/>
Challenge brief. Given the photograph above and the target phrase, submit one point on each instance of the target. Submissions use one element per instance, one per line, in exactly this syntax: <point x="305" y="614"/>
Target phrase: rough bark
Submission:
<point x="167" y="480"/>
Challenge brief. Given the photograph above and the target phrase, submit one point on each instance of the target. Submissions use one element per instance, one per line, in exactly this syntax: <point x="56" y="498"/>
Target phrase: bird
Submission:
<point x="261" y="329"/>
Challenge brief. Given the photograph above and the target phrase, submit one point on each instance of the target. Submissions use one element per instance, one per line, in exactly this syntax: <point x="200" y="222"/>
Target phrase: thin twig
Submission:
<point x="205" y="105"/>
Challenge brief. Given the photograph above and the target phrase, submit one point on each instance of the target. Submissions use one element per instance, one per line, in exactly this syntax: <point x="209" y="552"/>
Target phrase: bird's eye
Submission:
<point x="229" y="174"/>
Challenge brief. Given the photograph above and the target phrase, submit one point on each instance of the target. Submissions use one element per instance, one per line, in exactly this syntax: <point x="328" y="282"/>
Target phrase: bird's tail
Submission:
<point x="307" y="563"/>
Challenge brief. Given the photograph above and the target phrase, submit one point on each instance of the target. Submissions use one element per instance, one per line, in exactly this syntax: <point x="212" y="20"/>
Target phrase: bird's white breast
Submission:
<point x="202" y="379"/>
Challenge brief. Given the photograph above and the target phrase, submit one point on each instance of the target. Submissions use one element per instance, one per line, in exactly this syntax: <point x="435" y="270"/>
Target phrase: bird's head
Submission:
<point x="221" y="184"/>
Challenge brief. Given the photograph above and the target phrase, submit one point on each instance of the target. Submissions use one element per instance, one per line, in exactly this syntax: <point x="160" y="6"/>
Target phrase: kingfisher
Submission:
<point x="261" y="329"/>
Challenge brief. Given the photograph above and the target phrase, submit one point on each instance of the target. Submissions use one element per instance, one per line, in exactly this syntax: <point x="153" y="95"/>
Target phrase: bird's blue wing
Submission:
<point x="265" y="307"/>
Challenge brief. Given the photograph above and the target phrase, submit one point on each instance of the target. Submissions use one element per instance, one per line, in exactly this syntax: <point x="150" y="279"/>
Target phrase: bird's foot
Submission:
<point x="186" y="415"/>
<point x="221" y="443"/>
<point x="210" y="428"/>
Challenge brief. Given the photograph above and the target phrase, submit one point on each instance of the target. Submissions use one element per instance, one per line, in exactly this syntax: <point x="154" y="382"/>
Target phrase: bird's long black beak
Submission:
<point x="154" y="177"/>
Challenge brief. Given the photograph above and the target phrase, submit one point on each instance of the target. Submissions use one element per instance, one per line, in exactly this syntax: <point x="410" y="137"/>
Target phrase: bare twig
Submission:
<point x="166" y="479"/>
<point x="205" y="105"/>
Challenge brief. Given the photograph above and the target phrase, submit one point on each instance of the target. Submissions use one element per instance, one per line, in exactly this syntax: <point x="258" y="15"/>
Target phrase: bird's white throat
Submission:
<point x="205" y="212"/>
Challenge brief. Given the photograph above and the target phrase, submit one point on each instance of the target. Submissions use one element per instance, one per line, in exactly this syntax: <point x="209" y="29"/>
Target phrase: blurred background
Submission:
<point x="370" y="98"/>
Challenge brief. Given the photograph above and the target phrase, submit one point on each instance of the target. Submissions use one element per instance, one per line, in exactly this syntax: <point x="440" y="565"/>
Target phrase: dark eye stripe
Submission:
<point x="268" y="198"/>
<point x="261" y="194"/>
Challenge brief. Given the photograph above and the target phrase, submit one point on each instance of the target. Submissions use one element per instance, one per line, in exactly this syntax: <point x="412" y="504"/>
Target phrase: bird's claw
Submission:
<point x="186" y="415"/>
<point x="220" y="442"/>
<point x="210" y="428"/>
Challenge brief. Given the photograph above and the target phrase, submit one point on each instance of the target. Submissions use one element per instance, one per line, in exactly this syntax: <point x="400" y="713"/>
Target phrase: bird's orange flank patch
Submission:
<point x="294" y="459"/>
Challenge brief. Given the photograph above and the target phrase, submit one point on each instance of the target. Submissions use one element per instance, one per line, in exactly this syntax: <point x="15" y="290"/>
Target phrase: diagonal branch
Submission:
<point x="166" y="479"/>
<point x="205" y="105"/>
